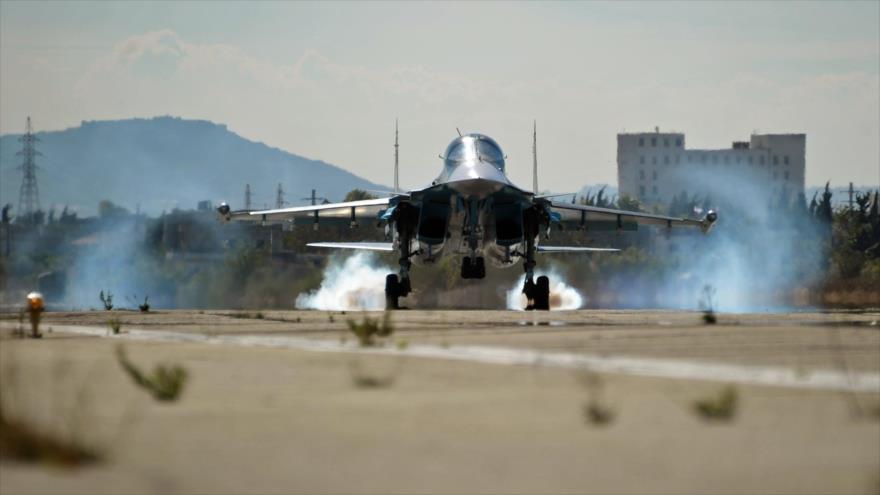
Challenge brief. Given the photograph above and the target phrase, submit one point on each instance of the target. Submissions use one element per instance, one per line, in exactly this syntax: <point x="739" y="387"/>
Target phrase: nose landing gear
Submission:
<point x="473" y="267"/>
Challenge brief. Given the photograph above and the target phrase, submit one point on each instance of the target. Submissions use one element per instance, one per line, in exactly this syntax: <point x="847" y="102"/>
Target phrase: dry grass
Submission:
<point x="165" y="383"/>
<point x="370" y="330"/>
<point x="720" y="408"/>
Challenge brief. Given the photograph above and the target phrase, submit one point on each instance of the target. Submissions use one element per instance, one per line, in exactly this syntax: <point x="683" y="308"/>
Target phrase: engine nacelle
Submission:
<point x="709" y="220"/>
<point x="225" y="212"/>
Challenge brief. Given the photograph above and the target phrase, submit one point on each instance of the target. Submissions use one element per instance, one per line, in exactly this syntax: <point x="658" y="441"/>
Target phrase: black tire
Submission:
<point x="542" y="293"/>
<point x="480" y="268"/>
<point x="466" y="268"/>
<point x="392" y="291"/>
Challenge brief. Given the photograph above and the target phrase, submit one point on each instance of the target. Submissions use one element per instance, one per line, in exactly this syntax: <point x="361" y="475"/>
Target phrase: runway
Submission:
<point x="470" y="402"/>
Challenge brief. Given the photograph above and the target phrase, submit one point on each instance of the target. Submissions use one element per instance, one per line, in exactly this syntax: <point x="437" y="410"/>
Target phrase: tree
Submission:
<point x="357" y="195"/>
<point x="107" y="209"/>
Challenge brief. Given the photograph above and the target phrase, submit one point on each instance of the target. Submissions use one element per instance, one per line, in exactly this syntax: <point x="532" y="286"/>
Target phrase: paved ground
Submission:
<point x="264" y="412"/>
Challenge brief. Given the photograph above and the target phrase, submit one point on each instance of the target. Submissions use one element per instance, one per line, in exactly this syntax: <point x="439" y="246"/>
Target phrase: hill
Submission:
<point x="162" y="163"/>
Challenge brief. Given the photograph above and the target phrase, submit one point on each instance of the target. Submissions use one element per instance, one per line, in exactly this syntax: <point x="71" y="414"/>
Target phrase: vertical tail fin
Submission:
<point x="535" y="157"/>
<point x="396" y="160"/>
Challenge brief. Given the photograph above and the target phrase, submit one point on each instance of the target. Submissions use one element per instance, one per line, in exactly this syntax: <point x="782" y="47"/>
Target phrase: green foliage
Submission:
<point x="357" y="195"/>
<point x="369" y="329"/>
<point x="107" y="209"/>
<point x="722" y="407"/>
<point x="165" y="383"/>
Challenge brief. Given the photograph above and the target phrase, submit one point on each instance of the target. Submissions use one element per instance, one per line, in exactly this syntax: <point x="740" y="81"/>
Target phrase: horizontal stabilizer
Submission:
<point x="575" y="249"/>
<point x="368" y="246"/>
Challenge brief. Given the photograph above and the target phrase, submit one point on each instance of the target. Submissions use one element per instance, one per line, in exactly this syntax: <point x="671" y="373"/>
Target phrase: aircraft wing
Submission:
<point x="583" y="213"/>
<point x="574" y="249"/>
<point x="353" y="210"/>
<point x="369" y="246"/>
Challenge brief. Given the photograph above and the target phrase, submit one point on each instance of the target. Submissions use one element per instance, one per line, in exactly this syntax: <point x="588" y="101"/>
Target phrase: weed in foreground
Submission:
<point x="106" y="300"/>
<point x="721" y="408"/>
<point x="369" y="329"/>
<point x="21" y="442"/>
<point x="165" y="383"/>
<point x="27" y="441"/>
<point x="707" y="305"/>
<point x="596" y="412"/>
<point x="115" y="325"/>
<point x="374" y="374"/>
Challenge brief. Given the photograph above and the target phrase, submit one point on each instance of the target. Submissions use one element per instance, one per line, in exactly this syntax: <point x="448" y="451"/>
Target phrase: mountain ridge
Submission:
<point x="160" y="163"/>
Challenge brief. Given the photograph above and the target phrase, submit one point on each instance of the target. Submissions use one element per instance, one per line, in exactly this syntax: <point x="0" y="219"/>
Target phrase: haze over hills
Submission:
<point x="165" y="162"/>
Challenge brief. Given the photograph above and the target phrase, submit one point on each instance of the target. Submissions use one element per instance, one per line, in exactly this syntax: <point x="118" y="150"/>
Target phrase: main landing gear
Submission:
<point x="537" y="293"/>
<point x="394" y="289"/>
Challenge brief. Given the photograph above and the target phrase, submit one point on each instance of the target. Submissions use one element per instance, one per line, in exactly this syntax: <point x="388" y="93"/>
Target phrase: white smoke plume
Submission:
<point x="357" y="283"/>
<point x="562" y="295"/>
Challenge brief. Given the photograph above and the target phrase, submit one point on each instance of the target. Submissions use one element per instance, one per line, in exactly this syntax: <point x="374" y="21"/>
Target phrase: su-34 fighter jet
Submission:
<point x="471" y="210"/>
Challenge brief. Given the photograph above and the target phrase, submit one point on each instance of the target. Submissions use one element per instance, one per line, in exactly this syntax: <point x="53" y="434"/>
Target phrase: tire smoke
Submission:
<point x="357" y="283"/>
<point x="562" y="296"/>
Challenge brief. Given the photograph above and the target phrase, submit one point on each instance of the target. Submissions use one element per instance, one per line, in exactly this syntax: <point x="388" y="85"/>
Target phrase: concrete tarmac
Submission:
<point x="466" y="402"/>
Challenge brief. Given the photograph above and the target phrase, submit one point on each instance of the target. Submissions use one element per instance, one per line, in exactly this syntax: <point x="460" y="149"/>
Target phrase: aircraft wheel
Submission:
<point x="529" y="291"/>
<point x="466" y="268"/>
<point x="392" y="291"/>
<point x="480" y="268"/>
<point x="542" y="293"/>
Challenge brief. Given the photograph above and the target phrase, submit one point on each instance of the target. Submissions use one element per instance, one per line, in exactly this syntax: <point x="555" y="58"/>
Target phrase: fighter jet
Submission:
<point x="473" y="210"/>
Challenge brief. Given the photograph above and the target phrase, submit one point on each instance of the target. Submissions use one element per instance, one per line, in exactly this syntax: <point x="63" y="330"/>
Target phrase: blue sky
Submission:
<point x="326" y="80"/>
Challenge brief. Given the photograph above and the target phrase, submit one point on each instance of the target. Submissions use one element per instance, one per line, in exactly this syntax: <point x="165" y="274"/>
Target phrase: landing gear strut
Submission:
<point x="537" y="294"/>
<point x="399" y="285"/>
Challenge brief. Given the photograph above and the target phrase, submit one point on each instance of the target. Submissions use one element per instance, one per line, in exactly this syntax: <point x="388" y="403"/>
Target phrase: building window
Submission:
<point x="641" y="142"/>
<point x="641" y="190"/>
<point x="666" y="160"/>
<point x="654" y="160"/>
<point x="654" y="175"/>
<point x="775" y="159"/>
<point x="677" y="158"/>
<point x="642" y="174"/>
<point x="785" y="159"/>
<point x="666" y="142"/>
<point x="642" y="160"/>
<point x="678" y="142"/>
<point x="786" y="175"/>
<point x="654" y="189"/>
<point x="654" y="142"/>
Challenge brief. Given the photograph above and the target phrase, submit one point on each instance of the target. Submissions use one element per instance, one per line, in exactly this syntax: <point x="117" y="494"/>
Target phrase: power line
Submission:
<point x="29" y="194"/>
<point x="279" y="197"/>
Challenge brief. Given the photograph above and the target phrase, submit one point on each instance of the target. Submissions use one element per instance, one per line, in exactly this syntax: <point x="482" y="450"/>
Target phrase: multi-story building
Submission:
<point x="655" y="166"/>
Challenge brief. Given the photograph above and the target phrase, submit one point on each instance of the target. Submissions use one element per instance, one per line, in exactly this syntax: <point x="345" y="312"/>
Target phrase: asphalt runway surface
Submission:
<point x="456" y="402"/>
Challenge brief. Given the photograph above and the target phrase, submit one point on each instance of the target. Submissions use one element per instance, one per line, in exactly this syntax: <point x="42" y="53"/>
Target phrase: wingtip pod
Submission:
<point x="224" y="212"/>
<point x="709" y="220"/>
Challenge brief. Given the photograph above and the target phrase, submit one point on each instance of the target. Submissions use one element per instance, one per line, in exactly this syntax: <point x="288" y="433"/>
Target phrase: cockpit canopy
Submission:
<point x="474" y="148"/>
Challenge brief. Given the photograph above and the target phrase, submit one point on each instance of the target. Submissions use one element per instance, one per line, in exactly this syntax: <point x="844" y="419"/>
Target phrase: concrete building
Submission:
<point x="655" y="166"/>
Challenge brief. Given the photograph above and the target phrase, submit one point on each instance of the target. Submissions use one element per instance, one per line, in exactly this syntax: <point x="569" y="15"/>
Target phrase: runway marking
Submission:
<point x="637" y="366"/>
